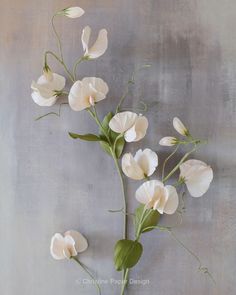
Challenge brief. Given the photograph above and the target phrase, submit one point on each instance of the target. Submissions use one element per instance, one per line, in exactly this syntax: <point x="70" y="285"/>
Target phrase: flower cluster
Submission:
<point x="158" y="194"/>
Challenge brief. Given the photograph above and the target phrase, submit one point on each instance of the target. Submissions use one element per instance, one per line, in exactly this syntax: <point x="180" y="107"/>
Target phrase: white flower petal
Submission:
<point x="69" y="249"/>
<point x="168" y="141"/>
<point x="98" y="88"/>
<point x="79" y="96"/>
<point x="57" y="246"/>
<point x="147" y="160"/>
<point x="81" y="243"/>
<point x="138" y="131"/>
<point x="172" y="202"/>
<point x="197" y="175"/>
<point x="130" y="167"/>
<point x="42" y="101"/>
<point x="146" y="192"/>
<point x="123" y="121"/>
<point x="74" y="12"/>
<point x="100" y="45"/>
<point x="179" y="127"/>
<point x="44" y="90"/>
<point x="85" y="38"/>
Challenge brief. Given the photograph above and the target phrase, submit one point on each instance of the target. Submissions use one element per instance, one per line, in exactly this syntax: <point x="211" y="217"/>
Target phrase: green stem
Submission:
<point x="123" y="194"/>
<point x="57" y="36"/>
<point x="125" y="281"/>
<point x="78" y="61"/>
<point x="167" y="159"/>
<point x="180" y="162"/>
<point x="90" y="275"/>
<point x="60" y="61"/>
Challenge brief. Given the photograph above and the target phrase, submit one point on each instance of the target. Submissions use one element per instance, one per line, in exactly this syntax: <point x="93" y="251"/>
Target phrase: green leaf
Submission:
<point x="112" y="136"/>
<point x="106" y="147"/>
<point x="152" y="218"/>
<point x="120" y="144"/>
<point x="87" y="137"/>
<point x="105" y="123"/>
<point x="127" y="254"/>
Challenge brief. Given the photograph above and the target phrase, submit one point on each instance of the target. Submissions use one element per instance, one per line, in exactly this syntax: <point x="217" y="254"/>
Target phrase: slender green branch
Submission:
<point x="180" y="162"/>
<point x="130" y="82"/>
<point x="78" y="61"/>
<point x="59" y="45"/>
<point x="48" y="52"/>
<point x="87" y="271"/>
<point x="125" y="281"/>
<point x="53" y="113"/>
<point x="201" y="268"/>
<point x="167" y="159"/>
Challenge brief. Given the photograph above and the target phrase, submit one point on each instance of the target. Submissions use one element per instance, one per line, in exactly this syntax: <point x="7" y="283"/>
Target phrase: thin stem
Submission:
<point x="125" y="281"/>
<point x="124" y="197"/>
<point x="201" y="268"/>
<point x="90" y="275"/>
<point x="60" y="61"/>
<point x="78" y="61"/>
<point x="167" y="159"/>
<point x="57" y="36"/>
<point x="180" y="162"/>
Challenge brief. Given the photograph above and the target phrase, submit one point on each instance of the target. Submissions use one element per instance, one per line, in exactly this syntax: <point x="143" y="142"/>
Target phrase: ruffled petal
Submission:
<point x="100" y="45"/>
<point x="147" y="160"/>
<point x="123" y="121"/>
<point x="98" y="88"/>
<point x="146" y="192"/>
<point x="69" y="249"/>
<point x="42" y="101"/>
<point x="57" y="246"/>
<point x="172" y="202"/>
<point x="79" y="96"/>
<point x="138" y="130"/>
<point x="130" y="168"/>
<point x="197" y="175"/>
<point x="81" y="243"/>
<point x="85" y="38"/>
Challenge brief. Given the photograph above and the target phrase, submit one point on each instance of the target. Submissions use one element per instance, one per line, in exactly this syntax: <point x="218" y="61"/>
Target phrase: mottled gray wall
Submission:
<point x="50" y="183"/>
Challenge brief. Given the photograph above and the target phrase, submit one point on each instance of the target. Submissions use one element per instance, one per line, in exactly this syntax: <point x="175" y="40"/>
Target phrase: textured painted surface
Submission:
<point x="49" y="183"/>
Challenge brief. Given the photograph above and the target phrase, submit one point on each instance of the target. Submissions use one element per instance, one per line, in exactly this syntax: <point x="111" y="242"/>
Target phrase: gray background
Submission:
<point x="50" y="183"/>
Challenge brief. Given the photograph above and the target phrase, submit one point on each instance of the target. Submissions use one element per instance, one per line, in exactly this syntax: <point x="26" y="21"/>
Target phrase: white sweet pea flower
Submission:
<point x="179" y="127"/>
<point x="72" y="12"/>
<point x="143" y="164"/>
<point x="133" y="127"/>
<point x="168" y="141"/>
<point x="85" y="93"/>
<point x="197" y="176"/>
<point x="98" y="48"/>
<point x="67" y="245"/>
<point x="155" y="195"/>
<point x="47" y="88"/>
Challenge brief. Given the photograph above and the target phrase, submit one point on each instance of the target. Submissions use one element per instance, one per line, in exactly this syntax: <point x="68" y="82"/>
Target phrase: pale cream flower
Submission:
<point x="85" y="93"/>
<point x="67" y="245"/>
<point x="197" y="176"/>
<point x="154" y="194"/>
<point x="47" y="88"/>
<point x="133" y="126"/>
<point x="142" y="165"/>
<point x="98" y="48"/>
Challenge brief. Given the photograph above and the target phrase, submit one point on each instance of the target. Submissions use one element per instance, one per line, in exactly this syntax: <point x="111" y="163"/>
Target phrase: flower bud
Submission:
<point x="168" y="141"/>
<point x="179" y="127"/>
<point x="73" y="12"/>
<point x="47" y="73"/>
